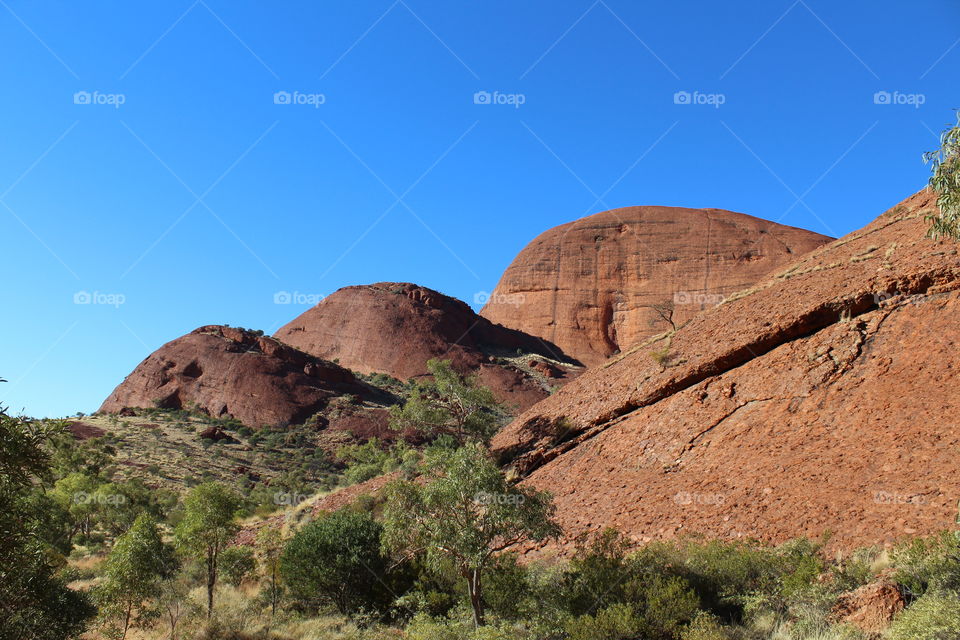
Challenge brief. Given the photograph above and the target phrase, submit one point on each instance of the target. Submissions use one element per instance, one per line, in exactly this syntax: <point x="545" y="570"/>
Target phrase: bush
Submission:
<point x="337" y="560"/>
<point x="237" y="563"/>
<point x="932" y="617"/>
<point x="928" y="564"/>
<point x="616" y="622"/>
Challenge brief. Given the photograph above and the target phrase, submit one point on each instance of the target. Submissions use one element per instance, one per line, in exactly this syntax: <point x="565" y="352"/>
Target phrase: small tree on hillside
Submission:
<point x="450" y="404"/>
<point x="945" y="180"/>
<point x="270" y="547"/>
<point x="465" y="514"/>
<point x="207" y="528"/>
<point x="133" y="574"/>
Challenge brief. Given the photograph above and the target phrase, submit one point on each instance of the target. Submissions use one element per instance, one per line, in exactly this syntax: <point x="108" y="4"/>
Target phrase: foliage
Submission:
<point x="945" y="181"/>
<point x="270" y="547"/>
<point x="238" y="563"/>
<point x="928" y="564"/>
<point x="337" y="560"/>
<point x="207" y="528"/>
<point x="132" y="577"/>
<point x="33" y="602"/>
<point x="372" y="459"/>
<point x="448" y="403"/>
<point x="464" y="514"/>
<point x="932" y="617"/>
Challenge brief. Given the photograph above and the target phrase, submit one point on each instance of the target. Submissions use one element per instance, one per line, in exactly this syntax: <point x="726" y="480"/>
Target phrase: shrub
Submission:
<point x="337" y="560"/>
<point x="705" y="627"/>
<point x="616" y="622"/>
<point x="237" y="563"/>
<point x="928" y="564"/>
<point x="932" y="617"/>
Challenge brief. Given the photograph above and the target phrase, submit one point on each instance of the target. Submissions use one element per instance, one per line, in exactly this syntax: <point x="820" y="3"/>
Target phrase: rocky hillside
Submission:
<point x="824" y="398"/>
<point x="224" y="371"/>
<point x="601" y="284"/>
<point x="395" y="328"/>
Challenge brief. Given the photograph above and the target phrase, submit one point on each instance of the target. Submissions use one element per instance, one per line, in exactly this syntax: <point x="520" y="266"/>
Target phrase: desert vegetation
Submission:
<point x="437" y="555"/>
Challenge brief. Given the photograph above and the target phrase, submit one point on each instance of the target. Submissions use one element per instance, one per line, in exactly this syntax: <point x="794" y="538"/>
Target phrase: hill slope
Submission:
<point x="824" y="398"/>
<point x="395" y="328"/>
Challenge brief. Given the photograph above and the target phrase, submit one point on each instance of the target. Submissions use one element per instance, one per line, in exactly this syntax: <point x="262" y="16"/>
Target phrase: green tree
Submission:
<point x="337" y="559"/>
<point x="77" y="493"/>
<point x="238" y="563"/>
<point x="132" y="577"/>
<point x="448" y="403"/>
<point x="34" y="604"/>
<point x="945" y="181"/>
<point x="207" y="527"/>
<point x="270" y="547"/>
<point x="465" y="514"/>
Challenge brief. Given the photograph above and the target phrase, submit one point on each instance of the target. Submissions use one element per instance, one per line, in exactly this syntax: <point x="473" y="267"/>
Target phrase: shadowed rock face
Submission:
<point x="227" y="371"/>
<point x="823" y="398"/>
<point x="599" y="285"/>
<point x="395" y="328"/>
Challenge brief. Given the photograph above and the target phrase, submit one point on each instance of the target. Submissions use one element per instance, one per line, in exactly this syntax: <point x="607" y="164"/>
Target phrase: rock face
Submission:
<point x="823" y="398"/>
<point x="395" y="328"/>
<point x="227" y="371"/>
<point x="871" y="608"/>
<point x="601" y="284"/>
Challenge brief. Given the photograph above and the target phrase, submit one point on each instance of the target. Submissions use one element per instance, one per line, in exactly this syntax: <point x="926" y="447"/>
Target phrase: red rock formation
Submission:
<point x="822" y="398"/>
<point x="601" y="284"/>
<point x="395" y="328"/>
<point x="227" y="371"/>
<point x="871" y="608"/>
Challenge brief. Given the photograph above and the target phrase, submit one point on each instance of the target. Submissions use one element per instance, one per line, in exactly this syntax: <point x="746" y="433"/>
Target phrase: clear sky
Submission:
<point x="171" y="164"/>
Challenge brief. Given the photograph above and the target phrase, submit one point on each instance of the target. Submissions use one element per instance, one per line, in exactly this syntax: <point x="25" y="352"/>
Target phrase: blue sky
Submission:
<point x="422" y="141"/>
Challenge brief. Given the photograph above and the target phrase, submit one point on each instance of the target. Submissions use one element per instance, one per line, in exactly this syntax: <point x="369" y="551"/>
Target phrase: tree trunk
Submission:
<point x="126" y="620"/>
<point x="474" y="587"/>
<point x="211" y="580"/>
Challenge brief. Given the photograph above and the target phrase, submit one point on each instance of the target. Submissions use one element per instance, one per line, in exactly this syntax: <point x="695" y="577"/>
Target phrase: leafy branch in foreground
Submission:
<point x="945" y="181"/>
